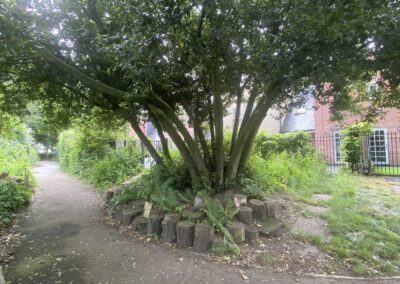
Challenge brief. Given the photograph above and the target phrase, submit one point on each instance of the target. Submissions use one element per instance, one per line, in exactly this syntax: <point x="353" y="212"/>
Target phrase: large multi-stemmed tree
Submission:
<point x="155" y="60"/>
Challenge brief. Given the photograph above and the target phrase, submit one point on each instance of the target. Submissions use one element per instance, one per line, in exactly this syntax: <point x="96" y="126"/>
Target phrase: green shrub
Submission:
<point x="91" y="155"/>
<point x="354" y="136"/>
<point x="12" y="198"/>
<point x="282" y="171"/>
<point x="16" y="157"/>
<point x="266" y="145"/>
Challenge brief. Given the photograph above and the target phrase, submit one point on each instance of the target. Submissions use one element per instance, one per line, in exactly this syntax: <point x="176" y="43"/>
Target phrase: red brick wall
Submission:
<point x="324" y="131"/>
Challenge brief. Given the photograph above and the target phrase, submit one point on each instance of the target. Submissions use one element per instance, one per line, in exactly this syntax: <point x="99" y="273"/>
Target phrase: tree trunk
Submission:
<point x="237" y="118"/>
<point x="146" y="142"/>
<point x="163" y="140"/>
<point x="212" y="130"/>
<point x="191" y="144"/>
<point x="219" y="131"/>
<point x="180" y="144"/>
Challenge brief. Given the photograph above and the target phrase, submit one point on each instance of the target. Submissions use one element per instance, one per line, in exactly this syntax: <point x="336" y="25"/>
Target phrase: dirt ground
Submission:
<point x="63" y="239"/>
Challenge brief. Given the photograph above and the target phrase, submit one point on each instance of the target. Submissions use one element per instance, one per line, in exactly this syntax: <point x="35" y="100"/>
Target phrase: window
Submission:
<point x="300" y="110"/>
<point x="377" y="146"/>
<point x="372" y="88"/>
<point x="337" y="139"/>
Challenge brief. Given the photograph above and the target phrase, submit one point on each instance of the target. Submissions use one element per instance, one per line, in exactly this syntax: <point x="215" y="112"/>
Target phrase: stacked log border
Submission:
<point x="186" y="230"/>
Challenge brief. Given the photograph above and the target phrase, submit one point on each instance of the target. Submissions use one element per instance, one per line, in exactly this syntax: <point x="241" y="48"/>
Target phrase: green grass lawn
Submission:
<point x="364" y="219"/>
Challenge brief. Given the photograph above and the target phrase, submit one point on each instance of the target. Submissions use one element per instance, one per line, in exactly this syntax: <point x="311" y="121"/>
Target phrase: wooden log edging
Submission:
<point x="154" y="225"/>
<point x="259" y="211"/>
<point x="185" y="234"/>
<point x="168" y="224"/>
<point x="245" y="215"/>
<point x="237" y="230"/>
<point x="203" y="237"/>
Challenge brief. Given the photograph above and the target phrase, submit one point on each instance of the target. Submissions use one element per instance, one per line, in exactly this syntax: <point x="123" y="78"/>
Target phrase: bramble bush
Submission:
<point x="91" y="155"/>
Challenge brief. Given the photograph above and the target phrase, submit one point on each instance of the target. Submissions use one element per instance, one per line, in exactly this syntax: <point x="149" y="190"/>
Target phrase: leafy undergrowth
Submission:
<point x="16" y="159"/>
<point x="91" y="155"/>
<point x="364" y="218"/>
<point x="13" y="197"/>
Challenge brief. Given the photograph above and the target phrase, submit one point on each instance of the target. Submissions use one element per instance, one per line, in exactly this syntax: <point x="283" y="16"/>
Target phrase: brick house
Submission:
<point x="383" y="144"/>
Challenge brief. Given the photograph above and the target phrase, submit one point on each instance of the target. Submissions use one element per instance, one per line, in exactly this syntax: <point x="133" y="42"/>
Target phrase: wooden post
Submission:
<point x="258" y="207"/>
<point x="203" y="237"/>
<point x="245" y="215"/>
<point x="154" y="225"/>
<point x="168" y="225"/>
<point x="185" y="234"/>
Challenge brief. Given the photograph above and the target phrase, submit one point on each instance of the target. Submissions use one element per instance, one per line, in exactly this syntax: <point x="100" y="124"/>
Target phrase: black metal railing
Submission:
<point x="379" y="151"/>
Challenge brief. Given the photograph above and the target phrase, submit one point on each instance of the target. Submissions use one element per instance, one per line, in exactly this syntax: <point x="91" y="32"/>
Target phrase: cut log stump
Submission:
<point x="272" y="209"/>
<point x="118" y="213"/>
<point x="137" y="207"/>
<point x="239" y="200"/>
<point x="154" y="225"/>
<point x="126" y="216"/>
<point x="245" y="215"/>
<point x="258" y="207"/>
<point x="251" y="233"/>
<point x="203" y="237"/>
<point x="185" y="234"/>
<point x="236" y="229"/>
<point x="168" y="225"/>
<point x="140" y="224"/>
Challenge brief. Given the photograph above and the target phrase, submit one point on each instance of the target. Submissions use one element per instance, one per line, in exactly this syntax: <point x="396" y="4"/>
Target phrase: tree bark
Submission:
<point x="237" y="118"/>
<point x="163" y="140"/>
<point x="219" y="131"/>
<point x="180" y="144"/>
<point x="146" y="142"/>
<point x="191" y="144"/>
<point x="212" y="129"/>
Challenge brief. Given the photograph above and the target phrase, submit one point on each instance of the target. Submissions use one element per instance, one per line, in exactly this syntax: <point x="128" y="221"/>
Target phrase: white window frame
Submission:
<point x="334" y="147"/>
<point x="386" y="146"/>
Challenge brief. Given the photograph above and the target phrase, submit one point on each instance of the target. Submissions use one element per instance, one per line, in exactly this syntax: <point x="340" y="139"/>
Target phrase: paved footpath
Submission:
<point x="66" y="241"/>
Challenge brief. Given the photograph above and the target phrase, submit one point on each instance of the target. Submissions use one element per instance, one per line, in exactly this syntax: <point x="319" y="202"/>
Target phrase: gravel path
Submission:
<point x="66" y="241"/>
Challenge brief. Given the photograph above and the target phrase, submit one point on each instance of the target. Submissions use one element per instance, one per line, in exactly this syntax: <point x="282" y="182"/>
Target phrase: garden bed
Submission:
<point x="307" y="252"/>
